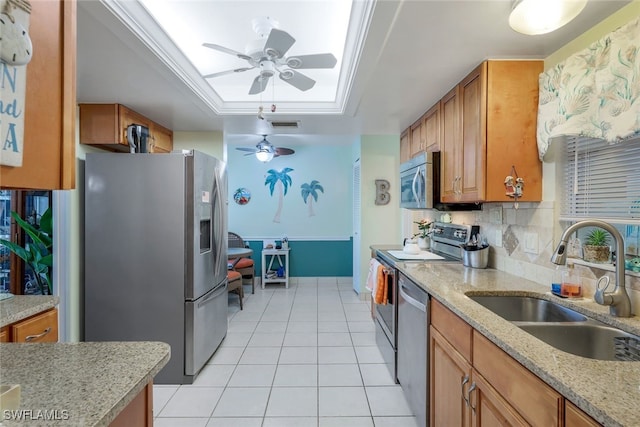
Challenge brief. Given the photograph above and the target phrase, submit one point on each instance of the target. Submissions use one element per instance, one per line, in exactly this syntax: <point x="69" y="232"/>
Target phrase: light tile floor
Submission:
<point x="298" y="357"/>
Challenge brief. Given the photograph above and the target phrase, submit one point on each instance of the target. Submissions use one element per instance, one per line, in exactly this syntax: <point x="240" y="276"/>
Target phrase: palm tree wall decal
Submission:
<point x="310" y="193"/>
<point x="282" y="181"/>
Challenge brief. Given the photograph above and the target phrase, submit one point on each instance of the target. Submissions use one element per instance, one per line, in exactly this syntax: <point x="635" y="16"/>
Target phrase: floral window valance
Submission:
<point x="595" y="92"/>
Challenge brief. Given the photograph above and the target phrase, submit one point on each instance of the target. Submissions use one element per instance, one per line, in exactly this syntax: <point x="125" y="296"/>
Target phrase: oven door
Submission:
<point x="386" y="316"/>
<point x="413" y="184"/>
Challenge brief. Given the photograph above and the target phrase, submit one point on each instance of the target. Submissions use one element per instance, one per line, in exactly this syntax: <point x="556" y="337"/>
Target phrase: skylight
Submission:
<point x="320" y="26"/>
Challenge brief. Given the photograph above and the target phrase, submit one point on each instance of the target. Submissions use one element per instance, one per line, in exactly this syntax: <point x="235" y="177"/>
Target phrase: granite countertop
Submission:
<point x="20" y="307"/>
<point x="608" y="391"/>
<point x="81" y="384"/>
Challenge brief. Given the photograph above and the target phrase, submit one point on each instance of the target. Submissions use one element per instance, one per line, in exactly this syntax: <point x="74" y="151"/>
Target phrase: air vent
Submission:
<point x="285" y="125"/>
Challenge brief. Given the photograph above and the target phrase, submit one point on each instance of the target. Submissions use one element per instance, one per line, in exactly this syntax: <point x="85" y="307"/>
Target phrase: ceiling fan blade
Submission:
<point x="259" y="85"/>
<point x="278" y="43"/>
<point x="281" y="151"/>
<point x="224" y="73"/>
<point x="297" y="80"/>
<point x="252" y="150"/>
<point x="226" y="50"/>
<point x="319" y="60"/>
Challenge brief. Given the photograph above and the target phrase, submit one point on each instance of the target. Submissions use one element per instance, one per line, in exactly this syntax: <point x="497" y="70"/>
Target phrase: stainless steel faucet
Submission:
<point x="618" y="300"/>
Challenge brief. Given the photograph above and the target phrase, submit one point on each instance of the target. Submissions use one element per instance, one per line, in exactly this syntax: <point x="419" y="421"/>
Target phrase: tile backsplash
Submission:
<point x="522" y="242"/>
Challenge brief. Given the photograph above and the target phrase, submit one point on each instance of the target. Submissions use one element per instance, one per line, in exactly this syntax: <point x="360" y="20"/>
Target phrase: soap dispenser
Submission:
<point x="571" y="283"/>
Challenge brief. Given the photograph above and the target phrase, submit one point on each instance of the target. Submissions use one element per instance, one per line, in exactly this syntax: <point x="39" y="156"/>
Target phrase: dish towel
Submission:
<point x="381" y="287"/>
<point x="372" y="277"/>
<point x="377" y="282"/>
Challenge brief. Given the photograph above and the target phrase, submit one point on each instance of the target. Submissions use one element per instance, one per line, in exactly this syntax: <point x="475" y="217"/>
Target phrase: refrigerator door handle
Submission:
<point x="217" y="203"/>
<point x="213" y="294"/>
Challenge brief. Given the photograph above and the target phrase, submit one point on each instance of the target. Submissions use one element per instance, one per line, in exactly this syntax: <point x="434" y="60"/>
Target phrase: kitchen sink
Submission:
<point x="563" y="328"/>
<point x="593" y="340"/>
<point x="516" y="308"/>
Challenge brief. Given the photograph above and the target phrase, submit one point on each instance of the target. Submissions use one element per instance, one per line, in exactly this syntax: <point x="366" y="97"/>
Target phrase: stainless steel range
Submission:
<point x="402" y="324"/>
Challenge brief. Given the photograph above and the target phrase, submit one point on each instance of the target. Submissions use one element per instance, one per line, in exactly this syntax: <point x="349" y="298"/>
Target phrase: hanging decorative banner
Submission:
<point x="15" y="52"/>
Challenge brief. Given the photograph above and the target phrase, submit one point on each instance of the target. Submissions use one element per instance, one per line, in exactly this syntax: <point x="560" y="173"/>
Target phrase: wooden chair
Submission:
<point x="245" y="266"/>
<point x="235" y="285"/>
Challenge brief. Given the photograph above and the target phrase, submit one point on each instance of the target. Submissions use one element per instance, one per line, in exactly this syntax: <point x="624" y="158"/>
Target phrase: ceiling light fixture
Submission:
<point x="265" y="151"/>
<point x="533" y="17"/>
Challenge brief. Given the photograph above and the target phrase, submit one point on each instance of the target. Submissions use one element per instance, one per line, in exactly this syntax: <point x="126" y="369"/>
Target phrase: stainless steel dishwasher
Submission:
<point x="413" y="318"/>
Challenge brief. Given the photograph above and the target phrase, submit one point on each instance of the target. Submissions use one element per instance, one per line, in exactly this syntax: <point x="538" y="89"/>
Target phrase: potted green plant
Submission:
<point x="37" y="254"/>
<point x="423" y="235"/>
<point x="596" y="248"/>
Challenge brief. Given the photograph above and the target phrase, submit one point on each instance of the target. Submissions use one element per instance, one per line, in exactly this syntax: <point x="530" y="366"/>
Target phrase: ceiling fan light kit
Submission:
<point x="265" y="151"/>
<point x="268" y="54"/>
<point x="532" y="17"/>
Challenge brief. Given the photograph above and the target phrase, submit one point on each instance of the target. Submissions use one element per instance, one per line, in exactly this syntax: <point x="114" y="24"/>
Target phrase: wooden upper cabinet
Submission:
<point x="417" y="138"/>
<point x="512" y="111"/>
<point x="162" y="139"/>
<point x="431" y="128"/>
<point x="449" y="145"/>
<point x="471" y="164"/>
<point x="105" y="126"/>
<point x="496" y="109"/>
<point x="49" y="157"/>
<point x="405" y="148"/>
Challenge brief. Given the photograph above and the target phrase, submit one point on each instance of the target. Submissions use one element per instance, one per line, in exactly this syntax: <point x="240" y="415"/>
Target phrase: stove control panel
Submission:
<point x="453" y="234"/>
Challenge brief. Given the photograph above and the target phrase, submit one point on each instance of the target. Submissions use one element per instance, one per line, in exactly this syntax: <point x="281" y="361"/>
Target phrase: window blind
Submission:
<point x="601" y="180"/>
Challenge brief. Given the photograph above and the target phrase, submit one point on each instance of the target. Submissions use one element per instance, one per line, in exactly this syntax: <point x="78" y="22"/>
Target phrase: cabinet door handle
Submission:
<point x="35" y="337"/>
<point x="471" y="389"/>
<point x="464" y="381"/>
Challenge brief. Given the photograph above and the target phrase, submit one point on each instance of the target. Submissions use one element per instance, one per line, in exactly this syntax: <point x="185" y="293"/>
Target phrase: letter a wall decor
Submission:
<point x="15" y="52"/>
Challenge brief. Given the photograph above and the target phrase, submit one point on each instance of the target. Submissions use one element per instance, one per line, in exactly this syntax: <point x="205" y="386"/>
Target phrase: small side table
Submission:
<point x="282" y="255"/>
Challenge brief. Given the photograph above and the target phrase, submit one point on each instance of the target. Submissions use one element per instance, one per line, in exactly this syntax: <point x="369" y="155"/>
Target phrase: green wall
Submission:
<point x="313" y="258"/>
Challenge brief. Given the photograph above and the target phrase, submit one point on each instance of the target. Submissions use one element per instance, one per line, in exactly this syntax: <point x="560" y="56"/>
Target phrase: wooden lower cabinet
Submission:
<point x="4" y="334"/>
<point x="138" y="413"/>
<point x="538" y="403"/>
<point x="449" y="375"/>
<point x="460" y="396"/>
<point x="574" y="417"/>
<point x="488" y="408"/>
<point x="482" y="385"/>
<point x="42" y="327"/>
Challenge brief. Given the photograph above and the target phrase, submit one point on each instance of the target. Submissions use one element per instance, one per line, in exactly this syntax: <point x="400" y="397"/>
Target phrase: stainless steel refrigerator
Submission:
<point x="156" y="254"/>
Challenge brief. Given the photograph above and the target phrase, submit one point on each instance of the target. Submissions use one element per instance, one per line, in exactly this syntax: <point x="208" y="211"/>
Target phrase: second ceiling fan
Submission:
<point x="265" y="151"/>
<point x="268" y="54"/>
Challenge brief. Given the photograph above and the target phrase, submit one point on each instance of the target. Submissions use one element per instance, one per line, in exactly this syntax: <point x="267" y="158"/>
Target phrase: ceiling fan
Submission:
<point x="268" y="54"/>
<point x="265" y="151"/>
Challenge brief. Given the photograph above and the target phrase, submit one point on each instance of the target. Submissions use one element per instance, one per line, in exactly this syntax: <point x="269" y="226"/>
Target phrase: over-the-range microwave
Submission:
<point x="420" y="185"/>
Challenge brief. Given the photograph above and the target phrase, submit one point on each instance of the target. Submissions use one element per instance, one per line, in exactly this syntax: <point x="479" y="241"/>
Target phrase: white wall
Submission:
<point x="380" y="224"/>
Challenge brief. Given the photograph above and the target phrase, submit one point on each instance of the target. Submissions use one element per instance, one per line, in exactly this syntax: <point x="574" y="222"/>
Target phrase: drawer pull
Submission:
<point x="35" y="337"/>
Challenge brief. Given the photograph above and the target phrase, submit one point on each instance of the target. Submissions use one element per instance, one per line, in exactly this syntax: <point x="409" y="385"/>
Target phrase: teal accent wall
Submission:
<point x="313" y="258"/>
